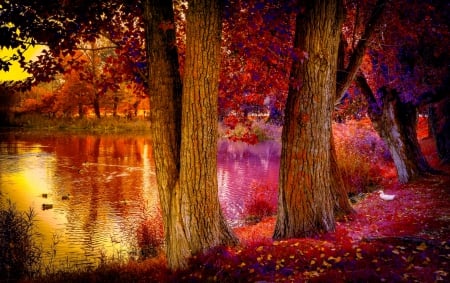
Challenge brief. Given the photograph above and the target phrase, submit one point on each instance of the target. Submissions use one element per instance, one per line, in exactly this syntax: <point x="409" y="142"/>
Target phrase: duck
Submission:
<point x="46" y="206"/>
<point x="65" y="197"/>
<point x="384" y="196"/>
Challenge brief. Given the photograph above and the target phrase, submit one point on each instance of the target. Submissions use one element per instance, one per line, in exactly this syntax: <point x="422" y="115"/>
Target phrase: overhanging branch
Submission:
<point x="346" y="77"/>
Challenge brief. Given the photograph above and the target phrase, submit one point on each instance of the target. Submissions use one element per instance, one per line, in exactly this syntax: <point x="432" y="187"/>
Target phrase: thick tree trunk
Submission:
<point x="305" y="200"/>
<point x="395" y="122"/>
<point x="165" y="121"/>
<point x="185" y="145"/>
<point x="204" y="223"/>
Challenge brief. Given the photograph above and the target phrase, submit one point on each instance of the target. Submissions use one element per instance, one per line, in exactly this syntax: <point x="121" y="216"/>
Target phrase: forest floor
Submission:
<point x="403" y="240"/>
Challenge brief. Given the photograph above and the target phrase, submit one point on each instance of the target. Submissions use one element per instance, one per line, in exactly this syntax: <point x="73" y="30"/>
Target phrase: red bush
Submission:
<point x="261" y="203"/>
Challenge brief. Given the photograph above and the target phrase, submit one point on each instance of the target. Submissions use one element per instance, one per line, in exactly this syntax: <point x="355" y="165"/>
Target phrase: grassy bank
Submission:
<point x="91" y="125"/>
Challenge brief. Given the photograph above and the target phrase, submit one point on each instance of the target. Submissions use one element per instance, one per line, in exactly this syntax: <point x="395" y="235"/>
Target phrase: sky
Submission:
<point x="16" y="73"/>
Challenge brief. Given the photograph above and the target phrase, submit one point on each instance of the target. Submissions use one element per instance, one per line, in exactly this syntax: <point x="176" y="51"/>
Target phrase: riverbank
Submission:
<point x="88" y="125"/>
<point x="406" y="239"/>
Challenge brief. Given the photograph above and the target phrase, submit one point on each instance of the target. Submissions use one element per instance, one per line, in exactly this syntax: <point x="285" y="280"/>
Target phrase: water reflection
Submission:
<point x="240" y="168"/>
<point x="101" y="187"/>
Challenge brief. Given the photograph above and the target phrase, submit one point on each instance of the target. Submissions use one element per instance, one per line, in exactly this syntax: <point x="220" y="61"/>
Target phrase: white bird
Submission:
<point x="385" y="196"/>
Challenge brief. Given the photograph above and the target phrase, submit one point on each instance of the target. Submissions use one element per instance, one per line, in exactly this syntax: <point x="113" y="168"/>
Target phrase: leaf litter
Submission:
<point x="403" y="240"/>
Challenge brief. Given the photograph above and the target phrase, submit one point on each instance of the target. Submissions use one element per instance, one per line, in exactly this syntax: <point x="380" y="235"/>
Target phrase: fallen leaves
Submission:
<point x="395" y="241"/>
<point x="421" y="247"/>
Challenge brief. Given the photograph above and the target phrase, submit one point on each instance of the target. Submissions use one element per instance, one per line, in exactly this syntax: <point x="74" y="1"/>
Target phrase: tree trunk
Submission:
<point x="342" y="205"/>
<point x="344" y="77"/>
<point x="395" y="122"/>
<point x="439" y="117"/>
<point x="96" y="104"/>
<point x="185" y="155"/>
<point x="305" y="200"/>
<point x="202" y="216"/>
<point x="115" y="105"/>
<point x="80" y="111"/>
<point x="165" y="123"/>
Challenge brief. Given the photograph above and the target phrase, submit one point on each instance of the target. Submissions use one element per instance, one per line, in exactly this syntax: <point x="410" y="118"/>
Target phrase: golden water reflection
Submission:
<point x="100" y="188"/>
<point x="89" y="192"/>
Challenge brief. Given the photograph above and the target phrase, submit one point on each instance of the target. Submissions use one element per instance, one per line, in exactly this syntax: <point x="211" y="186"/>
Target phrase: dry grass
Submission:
<point x="361" y="155"/>
<point x="103" y="125"/>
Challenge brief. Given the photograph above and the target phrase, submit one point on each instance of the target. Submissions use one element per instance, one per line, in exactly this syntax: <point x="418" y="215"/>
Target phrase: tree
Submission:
<point x="345" y="75"/>
<point x="192" y="218"/>
<point x="184" y="127"/>
<point x="305" y="200"/>
<point x="395" y="121"/>
<point x="408" y="68"/>
<point x="256" y="58"/>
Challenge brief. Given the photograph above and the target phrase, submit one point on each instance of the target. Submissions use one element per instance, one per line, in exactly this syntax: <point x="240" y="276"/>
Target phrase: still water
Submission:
<point x="91" y="192"/>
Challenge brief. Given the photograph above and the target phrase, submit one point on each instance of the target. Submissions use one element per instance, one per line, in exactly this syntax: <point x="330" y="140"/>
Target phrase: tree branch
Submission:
<point x="372" y="102"/>
<point x="345" y="78"/>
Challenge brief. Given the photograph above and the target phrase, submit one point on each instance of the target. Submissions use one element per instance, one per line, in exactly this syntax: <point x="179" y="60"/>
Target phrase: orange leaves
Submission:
<point x="421" y="247"/>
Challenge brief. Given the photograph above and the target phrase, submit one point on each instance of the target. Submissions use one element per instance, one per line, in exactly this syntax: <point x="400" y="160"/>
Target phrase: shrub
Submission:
<point x="261" y="203"/>
<point x="360" y="154"/>
<point x="150" y="235"/>
<point x="20" y="255"/>
<point x="250" y="132"/>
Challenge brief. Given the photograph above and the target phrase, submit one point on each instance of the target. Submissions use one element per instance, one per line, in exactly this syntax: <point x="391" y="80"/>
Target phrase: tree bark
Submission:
<point x="339" y="188"/>
<point x="342" y="205"/>
<point x="396" y="121"/>
<point x="305" y="200"/>
<point x="185" y="145"/>
<point x="204" y="223"/>
<point x="165" y="89"/>
<point x="344" y="77"/>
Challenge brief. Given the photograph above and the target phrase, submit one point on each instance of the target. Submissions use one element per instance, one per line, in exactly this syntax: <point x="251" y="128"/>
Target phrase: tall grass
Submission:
<point x="361" y="156"/>
<point x="20" y="252"/>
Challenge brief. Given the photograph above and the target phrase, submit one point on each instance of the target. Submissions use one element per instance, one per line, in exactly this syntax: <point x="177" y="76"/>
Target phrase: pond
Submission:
<point x="90" y="192"/>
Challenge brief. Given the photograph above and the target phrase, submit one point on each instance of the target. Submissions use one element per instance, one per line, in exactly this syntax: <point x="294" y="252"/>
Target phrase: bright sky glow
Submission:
<point x="16" y="73"/>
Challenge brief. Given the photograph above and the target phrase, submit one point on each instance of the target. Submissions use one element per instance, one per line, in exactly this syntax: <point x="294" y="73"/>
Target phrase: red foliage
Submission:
<point x="404" y="240"/>
<point x="261" y="204"/>
<point x="247" y="137"/>
<point x="150" y="235"/>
